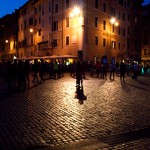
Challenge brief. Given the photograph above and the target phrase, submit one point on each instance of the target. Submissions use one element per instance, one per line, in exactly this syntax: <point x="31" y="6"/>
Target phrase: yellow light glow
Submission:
<point x="75" y="12"/>
<point x="116" y="23"/>
<point x="6" y="41"/>
<point x="112" y="20"/>
<point x="31" y="30"/>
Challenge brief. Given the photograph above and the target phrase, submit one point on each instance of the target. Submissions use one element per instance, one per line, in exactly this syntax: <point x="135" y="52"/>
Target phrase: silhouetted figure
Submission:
<point x="27" y="72"/>
<point x="41" y="71"/>
<point x="21" y="76"/>
<point x="122" y="72"/>
<point x="112" y="71"/>
<point x="79" y="82"/>
<point x="35" y="71"/>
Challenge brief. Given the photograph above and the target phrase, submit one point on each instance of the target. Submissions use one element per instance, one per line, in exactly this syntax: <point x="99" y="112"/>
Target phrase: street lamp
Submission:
<point x="75" y="12"/>
<point x="113" y="22"/>
<point x="33" y="32"/>
<point x="77" y="18"/>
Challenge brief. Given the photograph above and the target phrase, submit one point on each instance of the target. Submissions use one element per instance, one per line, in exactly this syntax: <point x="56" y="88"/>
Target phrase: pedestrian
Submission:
<point x="56" y="69"/>
<point x="35" y="71"/>
<point x="41" y="71"/>
<point x="112" y="71"/>
<point x="122" y="72"/>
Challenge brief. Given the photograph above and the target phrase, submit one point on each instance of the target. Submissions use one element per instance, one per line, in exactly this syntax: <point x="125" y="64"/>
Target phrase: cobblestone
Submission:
<point x="48" y="116"/>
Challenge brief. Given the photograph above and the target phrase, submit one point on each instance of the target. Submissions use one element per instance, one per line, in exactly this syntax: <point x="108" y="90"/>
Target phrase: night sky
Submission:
<point x="7" y="8"/>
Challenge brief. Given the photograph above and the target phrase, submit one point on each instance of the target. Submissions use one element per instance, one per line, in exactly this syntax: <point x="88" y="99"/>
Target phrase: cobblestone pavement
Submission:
<point x="114" y="116"/>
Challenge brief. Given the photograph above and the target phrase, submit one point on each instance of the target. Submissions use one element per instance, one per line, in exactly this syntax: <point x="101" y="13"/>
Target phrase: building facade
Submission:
<point x="145" y="53"/>
<point x="85" y="28"/>
<point x="8" y="36"/>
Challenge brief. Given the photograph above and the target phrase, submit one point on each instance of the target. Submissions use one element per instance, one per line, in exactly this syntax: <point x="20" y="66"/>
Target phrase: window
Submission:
<point x="128" y="17"/>
<point x="25" y="24"/>
<point x="21" y="27"/>
<point x="67" y="22"/>
<point x="113" y="44"/>
<point x="56" y="8"/>
<point x="96" y="4"/>
<point x="135" y="19"/>
<point x="40" y="32"/>
<point x="104" y="7"/>
<point x="39" y="20"/>
<point x="118" y="45"/>
<point x="124" y="32"/>
<point x="104" y="25"/>
<point x="67" y="40"/>
<point x="42" y="10"/>
<point x="49" y="19"/>
<point x="128" y="44"/>
<point x="144" y="51"/>
<point x="49" y="8"/>
<point x="128" y="3"/>
<point x="113" y="11"/>
<point x="32" y="42"/>
<point x="119" y="15"/>
<point x="121" y="2"/>
<point x="42" y="22"/>
<point x="128" y="30"/>
<point x="55" y="43"/>
<point x="67" y="4"/>
<point x="35" y="22"/>
<point x="96" y="22"/>
<point x="96" y="40"/>
<point x="39" y="8"/>
<point x="104" y="42"/>
<point x="123" y="17"/>
<point x="55" y="25"/>
<point x="119" y="30"/>
<point x="35" y="10"/>
<point x="113" y="29"/>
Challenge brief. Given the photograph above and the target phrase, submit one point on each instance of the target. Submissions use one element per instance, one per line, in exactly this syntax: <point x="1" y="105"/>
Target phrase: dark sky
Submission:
<point x="9" y="6"/>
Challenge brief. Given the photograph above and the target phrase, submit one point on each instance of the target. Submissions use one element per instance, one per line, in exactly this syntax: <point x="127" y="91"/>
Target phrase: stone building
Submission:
<point x="145" y="53"/>
<point x="86" y="28"/>
<point x="8" y="36"/>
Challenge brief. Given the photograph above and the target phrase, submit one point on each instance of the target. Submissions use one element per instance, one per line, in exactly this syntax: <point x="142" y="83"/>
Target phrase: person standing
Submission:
<point x="122" y="72"/>
<point x="41" y="71"/>
<point x="35" y="71"/>
<point x="112" y="71"/>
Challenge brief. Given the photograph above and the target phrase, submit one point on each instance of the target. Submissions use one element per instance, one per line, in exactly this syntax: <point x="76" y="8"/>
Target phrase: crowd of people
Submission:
<point x="18" y="73"/>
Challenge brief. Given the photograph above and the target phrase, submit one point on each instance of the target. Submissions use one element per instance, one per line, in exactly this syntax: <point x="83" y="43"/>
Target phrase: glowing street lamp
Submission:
<point x="75" y="12"/>
<point x="31" y="30"/>
<point x="6" y="41"/>
<point x="114" y="22"/>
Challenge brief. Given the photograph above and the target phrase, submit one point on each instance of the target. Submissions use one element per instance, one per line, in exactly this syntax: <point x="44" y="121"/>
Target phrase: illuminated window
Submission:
<point x="113" y="44"/>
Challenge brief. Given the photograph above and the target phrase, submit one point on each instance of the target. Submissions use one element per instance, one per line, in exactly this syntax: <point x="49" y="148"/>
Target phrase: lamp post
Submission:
<point x="33" y="32"/>
<point x="113" y="22"/>
<point x="76" y="15"/>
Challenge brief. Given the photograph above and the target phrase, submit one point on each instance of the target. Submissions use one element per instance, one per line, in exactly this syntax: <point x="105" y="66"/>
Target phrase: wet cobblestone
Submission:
<point x="49" y="116"/>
